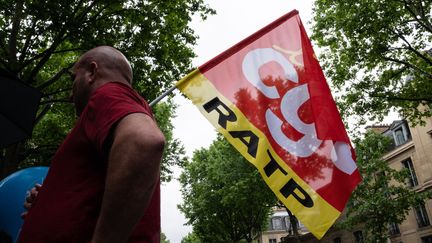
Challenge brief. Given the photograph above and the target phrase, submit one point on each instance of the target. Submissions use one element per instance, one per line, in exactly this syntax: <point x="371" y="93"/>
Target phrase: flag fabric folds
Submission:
<point x="268" y="96"/>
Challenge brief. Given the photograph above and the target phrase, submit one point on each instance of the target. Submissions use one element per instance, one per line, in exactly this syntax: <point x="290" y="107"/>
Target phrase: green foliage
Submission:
<point x="174" y="150"/>
<point x="163" y="238"/>
<point x="225" y="198"/>
<point x="378" y="54"/>
<point x="48" y="135"/>
<point x="40" y="41"/>
<point x="383" y="196"/>
<point x="191" y="238"/>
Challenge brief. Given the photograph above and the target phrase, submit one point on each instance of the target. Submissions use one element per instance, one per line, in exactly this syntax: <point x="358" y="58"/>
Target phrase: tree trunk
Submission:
<point x="249" y="238"/>
<point x="293" y="223"/>
<point x="10" y="161"/>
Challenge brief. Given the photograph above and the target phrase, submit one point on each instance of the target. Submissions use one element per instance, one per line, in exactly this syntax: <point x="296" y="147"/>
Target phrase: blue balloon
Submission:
<point x="13" y="191"/>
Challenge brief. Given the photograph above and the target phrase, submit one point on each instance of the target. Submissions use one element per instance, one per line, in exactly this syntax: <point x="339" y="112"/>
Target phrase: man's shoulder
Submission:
<point x="112" y="88"/>
<point x="117" y="97"/>
<point x="117" y="91"/>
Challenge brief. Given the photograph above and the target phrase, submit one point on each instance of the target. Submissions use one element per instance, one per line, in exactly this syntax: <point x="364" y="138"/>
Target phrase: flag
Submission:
<point x="268" y="96"/>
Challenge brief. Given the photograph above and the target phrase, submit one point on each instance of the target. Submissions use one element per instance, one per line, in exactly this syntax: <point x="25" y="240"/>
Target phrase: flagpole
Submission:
<point x="155" y="101"/>
<point x="178" y="84"/>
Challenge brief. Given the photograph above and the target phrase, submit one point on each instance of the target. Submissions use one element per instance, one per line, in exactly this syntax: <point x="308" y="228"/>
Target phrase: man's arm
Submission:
<point x="133" y="172"/>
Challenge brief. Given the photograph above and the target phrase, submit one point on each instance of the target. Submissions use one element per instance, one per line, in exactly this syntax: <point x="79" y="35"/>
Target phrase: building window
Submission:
<point x="287" y="222"/>
<point x="401" y="134"/>
<point x="422" y="216"/>
<point x="427" y="239"/>
<point x="412" y="179"/>
<point x="337" y="240"/>
<point x="272" y="240"/>
<point x="394" y="229"/>
<point x="358" y="236"/>
<point x="277" y="223"/>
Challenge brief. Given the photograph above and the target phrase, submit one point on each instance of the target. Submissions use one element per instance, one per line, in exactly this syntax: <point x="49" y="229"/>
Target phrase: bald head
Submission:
<point x="96" y="67"/>
<point x="111" y="63"/>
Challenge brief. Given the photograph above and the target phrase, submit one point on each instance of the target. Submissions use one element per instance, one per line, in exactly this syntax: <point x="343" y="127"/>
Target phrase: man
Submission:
<point x="103" y="183"/>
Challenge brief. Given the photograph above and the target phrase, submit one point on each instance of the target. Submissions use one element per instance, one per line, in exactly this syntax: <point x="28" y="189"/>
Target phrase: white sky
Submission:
<point x="234" y="21"/>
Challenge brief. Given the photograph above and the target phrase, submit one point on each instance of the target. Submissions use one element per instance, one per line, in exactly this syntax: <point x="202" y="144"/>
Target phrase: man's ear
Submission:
<point x="93" y="68"/>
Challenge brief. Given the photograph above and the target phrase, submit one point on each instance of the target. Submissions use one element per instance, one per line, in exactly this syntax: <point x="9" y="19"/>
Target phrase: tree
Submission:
<point x="40" y="41"/>
<point x="191" y="238"/>
<point x="383" y="197"/>
<point x="378" y="54"/>
<point x="174" y="152"/>
<point x="225" y="199"/>
<point x="163" y="238"/>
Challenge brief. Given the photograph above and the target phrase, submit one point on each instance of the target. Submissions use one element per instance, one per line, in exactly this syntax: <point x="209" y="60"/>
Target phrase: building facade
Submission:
<point x="412" y="149"/>
<point x="279" y="226"/>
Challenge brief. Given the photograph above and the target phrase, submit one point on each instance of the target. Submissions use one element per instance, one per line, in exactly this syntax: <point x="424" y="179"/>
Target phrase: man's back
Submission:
<point x="68" y="205"/>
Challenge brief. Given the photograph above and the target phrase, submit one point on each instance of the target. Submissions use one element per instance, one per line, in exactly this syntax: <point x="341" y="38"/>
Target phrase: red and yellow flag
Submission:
<point x="268" y="96"/>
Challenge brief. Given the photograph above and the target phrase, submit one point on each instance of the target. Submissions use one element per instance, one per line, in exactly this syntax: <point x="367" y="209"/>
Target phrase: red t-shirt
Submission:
<point x="68" y="205"/>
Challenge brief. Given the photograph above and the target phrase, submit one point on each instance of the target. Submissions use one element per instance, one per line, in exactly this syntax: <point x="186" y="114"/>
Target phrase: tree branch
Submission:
<point x="398" y="72"/>
<point x="412" y="49"/>
<point x="2" y="45"/>
<point x="36" y="151"/>
<point x="65" y="100"/>
<point x="423" y="15"/>
<point x="5" y="64"/>
<point x="27" y="41"/>
<point x="85" y="11"/>
<point x="408" y="65"/>
<point x="40" y="55"/>
<point x="14" y="32"/>
<point x="403" y="48"/>
<point x="95" y="19"/>
<point x="82" y="15"/>
<point x="56" y="92"/>
<point x="43" y="113"/>
<point x="54" y="78"/>
<point x="414" y="14"/>
<point x="389" y="97"/>
<point x="51" y="50"/>
<point x="45" y="52"/>
<point x="47" y="55"/>
<point x="69" y="50"/>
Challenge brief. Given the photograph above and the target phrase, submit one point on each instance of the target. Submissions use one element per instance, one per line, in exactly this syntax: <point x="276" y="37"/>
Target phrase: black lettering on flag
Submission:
<point x="272" y="166"/>
<point x="289" y="189"/>
<point x="253" y="140"/>
<point x="214" y="104"/>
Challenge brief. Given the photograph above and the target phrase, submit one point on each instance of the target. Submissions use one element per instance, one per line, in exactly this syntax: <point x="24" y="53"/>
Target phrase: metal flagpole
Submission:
<point x="155" y="101"/>
<point x="178" y="84"/>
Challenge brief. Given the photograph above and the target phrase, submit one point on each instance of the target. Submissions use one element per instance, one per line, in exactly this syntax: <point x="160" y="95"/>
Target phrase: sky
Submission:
<point x="234" y="21"/>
